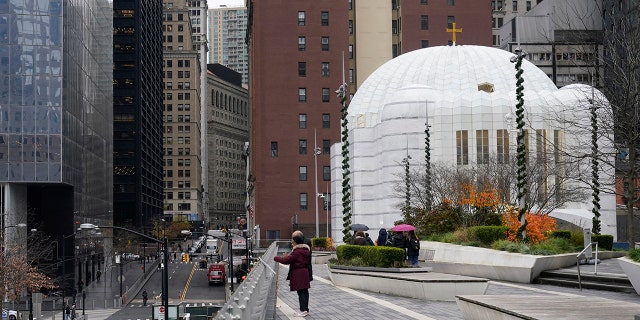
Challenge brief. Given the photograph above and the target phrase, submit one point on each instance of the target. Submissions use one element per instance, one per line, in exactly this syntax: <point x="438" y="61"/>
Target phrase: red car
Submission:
<point x="217" y="274"/>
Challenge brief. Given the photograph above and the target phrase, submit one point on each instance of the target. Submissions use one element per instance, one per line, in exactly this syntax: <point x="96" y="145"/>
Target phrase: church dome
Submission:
<point x="452" y="71"/>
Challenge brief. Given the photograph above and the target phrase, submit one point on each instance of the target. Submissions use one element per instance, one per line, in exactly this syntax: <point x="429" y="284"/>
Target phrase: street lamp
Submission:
<point x="316" y="153"/>
<point x="165" y="259"/>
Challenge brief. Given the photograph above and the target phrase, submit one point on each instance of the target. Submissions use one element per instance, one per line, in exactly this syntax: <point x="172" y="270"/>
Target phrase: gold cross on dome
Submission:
<point x="453" y="30"/>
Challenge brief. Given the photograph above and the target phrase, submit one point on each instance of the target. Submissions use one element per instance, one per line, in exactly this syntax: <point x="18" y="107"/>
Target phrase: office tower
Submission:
<point x="183" y="194"/>
<point x="227" y="29"/>
<point x="56" y="127"/>
<point x="227" y="136"/>
<point x="137" y="112"/>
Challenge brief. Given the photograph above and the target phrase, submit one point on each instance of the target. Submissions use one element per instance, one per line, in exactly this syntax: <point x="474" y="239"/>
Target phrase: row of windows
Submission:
<point x="304" y="201"/>
<point x="181" y="63"/>
<point x="181" y="206"/>
<point x="502" y="145"/>
<point x="181" y="107"/>
<point x="181" y="74"/>
<point x="302" y="43"/>
<point x="169" y="38"/>
<point x="181" y="173"/>
<point x="181" y="195"/>
<point x="302" y="120"/>
<point x="324" y="18"/>
<point x="181" y="184"/>
<point x="302" y="94"/>
<point x="324" y="69"/>
<point x="180" y="161"/>
<point x="181" y="85"/>
<point x="302" y="147"/>
<point x="326" y="173"/>
<point x="181" y="140"/>
<point x="229" y="103"/>
<point x="181" y="151"/>
<point x="180" y="118"/>
<point x="169" y="17"/>
<point x="424" y="23"/>
<point x="180" y="95"/>
<point x="169" y="27"/>
<point x="562" y="56"/>
<point x="181" y="129"/>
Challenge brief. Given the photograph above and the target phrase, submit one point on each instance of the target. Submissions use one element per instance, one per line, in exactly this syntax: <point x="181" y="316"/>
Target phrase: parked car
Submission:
<point x="9" y="314"/>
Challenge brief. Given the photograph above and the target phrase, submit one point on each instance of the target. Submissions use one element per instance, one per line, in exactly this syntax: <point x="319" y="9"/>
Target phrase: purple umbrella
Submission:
<point x="403" y="227"/>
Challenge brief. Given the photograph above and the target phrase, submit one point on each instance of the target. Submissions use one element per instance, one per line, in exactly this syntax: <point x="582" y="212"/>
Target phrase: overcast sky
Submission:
<point x="229" y="3"/>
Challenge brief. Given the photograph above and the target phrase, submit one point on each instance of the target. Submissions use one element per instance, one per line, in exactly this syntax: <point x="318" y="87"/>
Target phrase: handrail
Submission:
<point x="595" y="270"/>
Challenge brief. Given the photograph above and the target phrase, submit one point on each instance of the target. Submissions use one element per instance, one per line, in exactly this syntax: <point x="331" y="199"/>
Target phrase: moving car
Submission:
<point x="9" y="314"/>
<point x="217" y="273"/>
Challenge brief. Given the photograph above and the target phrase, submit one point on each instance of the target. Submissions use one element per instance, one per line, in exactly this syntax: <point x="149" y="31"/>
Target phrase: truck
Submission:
<point x="217" y="274"/>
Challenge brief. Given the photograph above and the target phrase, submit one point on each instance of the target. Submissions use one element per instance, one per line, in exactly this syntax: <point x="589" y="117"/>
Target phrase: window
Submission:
<point x="394" y="26"/>
<point x="324" y="18"/>
<point x="187" y="63"/>
<point x="528" y="5"/>
<point x="302" y="43"/>
<point x="325" y="69"/>
<point x="302" y="173"/>
<point x="503" y="146"/>
<point x="326" y="173"/>
<point x="326" y="120"/>
<point x="304" y="199"/>
<point x="424" y="43"/>
<point x="424" y="22"/>
<point x="302" y="146"/>
<point x="450" y="21"/>
<point x="302" y="69"/>
<point x="302" y="121"/>
<point x="325" y="95"/>
<point x="302" y="94"/>
<point x="350" y="51"/>
<point x="274" y="149"/>
<point x="180" y="38"/>
<point x="515" y="5"/>
<point x="325" y="43"/>
<point x="462" y="147"/>
<point x="423" y="2"/>
<point x="326" y="146"/>
<point x="351" y="76"/>
<point x="450" y="2"/>
<point x="350" y="26"/>
<point x="482" y="146"/>
<point x="301" y="18"/>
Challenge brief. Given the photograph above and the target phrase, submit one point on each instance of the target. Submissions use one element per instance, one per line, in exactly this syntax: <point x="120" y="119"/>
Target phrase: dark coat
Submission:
<point x="413" y="247"/>
<point x="399" y="241"/>
<point x="361" y="241"/>
<point x="298" y="262"/>
<point x="382" y="237"/>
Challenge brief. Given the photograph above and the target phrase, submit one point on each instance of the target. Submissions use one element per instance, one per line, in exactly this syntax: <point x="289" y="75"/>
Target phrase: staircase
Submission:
<point x="601" y="281"/>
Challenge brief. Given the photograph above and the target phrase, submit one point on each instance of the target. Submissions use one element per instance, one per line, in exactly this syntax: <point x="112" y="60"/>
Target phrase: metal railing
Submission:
<point x="250" y="300"/>
<point x="582" y="254"/>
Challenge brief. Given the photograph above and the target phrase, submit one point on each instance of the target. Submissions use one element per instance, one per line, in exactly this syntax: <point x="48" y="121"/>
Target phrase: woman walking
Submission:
<point x="298" y="262"/>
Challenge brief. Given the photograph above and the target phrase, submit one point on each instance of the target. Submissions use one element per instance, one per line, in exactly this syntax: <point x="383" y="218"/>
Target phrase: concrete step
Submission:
<point x="607" y="282"/>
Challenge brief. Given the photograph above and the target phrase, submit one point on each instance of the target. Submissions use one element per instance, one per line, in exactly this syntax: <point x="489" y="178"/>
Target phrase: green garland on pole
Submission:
<point x="427" y="166"/>
<point x="595" y="184"/>
<point x="521" y="151"/>
<point x="346" y="172"/>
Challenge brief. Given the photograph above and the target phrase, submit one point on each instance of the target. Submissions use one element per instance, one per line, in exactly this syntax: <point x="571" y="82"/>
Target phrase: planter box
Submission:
<point x="632" y="269"/>
<point x="495" y="264"/>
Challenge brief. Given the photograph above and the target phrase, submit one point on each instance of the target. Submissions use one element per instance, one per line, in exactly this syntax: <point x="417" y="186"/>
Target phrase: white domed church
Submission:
<point x="467" y="95"/>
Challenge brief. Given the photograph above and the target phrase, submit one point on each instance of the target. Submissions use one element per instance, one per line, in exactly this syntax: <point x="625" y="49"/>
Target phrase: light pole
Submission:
<point x="165" y="259"/>
<point x="316" y="153"/>
<point x="64" y="270"/>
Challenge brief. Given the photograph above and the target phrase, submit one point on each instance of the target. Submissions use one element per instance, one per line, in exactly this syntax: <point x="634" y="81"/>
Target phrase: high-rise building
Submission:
<point x="296" y="64"/>
<point x="56" y="127"/>
<point x="183" y="194"/>
<point x="227" y="28"/>
<point x="227" y="138"/>
<point x="137" y="112"/>
<point x="505" y="10"/>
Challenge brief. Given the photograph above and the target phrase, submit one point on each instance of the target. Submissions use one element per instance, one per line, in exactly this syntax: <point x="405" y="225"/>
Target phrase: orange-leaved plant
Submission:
<point x="539" y="226"/>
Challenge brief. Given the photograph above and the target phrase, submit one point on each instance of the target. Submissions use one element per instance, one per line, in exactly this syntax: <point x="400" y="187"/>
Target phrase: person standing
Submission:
<point x="382" y="237"/>
<point x="306" y="241"/>
<point x="413" y="248"/>
<point x="359" y="239"/>
<point x="145" y="297"/>
<point x="67" y="312"/>
<point x="298" y="262"/>
<point x="98" y="274"/>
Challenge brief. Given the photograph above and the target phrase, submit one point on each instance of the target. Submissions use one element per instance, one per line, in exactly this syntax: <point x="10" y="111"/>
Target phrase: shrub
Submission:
<point x="372" y="256"/>
<point x="489" y="234"/>
<point x="510" y="246"/>
<point x="319" y="243"/>
<point x="605" y="241"/>
<point x="577" y="238"/>
<point x="634" y="254"/>
<point x="562" y="234"/>
<point x="464" y="235"/>
<point x="551" y="246"/>
<point x="539" y="226"/>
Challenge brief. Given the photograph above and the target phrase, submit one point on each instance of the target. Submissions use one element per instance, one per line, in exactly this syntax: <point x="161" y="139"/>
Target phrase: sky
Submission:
<point x="229" y="3"/>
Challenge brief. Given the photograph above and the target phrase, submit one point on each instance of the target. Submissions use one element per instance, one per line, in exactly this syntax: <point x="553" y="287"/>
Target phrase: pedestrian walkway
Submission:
<point x="330" y="302"/>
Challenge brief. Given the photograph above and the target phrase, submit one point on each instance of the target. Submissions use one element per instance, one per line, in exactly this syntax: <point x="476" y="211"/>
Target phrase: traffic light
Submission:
<point x="185" y="258"/>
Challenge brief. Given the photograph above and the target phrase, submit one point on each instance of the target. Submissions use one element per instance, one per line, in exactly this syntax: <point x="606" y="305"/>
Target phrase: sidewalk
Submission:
<point x="330" y="302"/>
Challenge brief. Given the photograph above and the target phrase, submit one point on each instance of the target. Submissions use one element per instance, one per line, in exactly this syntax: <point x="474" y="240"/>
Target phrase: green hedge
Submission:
<point x="319" y="242"/>
<point x="489" y="234"/>
<point x="372" y="256"/>
<point x="605" y="241"/>
<point x="561" y="234"/>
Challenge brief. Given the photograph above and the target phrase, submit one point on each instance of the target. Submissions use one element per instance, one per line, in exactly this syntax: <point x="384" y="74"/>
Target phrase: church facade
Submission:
<point x="467" y="97"/>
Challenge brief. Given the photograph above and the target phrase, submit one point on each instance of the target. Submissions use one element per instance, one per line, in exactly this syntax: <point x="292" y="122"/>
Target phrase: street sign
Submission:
<point x="161" y="313"/>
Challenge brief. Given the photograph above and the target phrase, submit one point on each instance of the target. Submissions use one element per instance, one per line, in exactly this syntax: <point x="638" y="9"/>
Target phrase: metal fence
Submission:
<point x="252" y="299"/>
